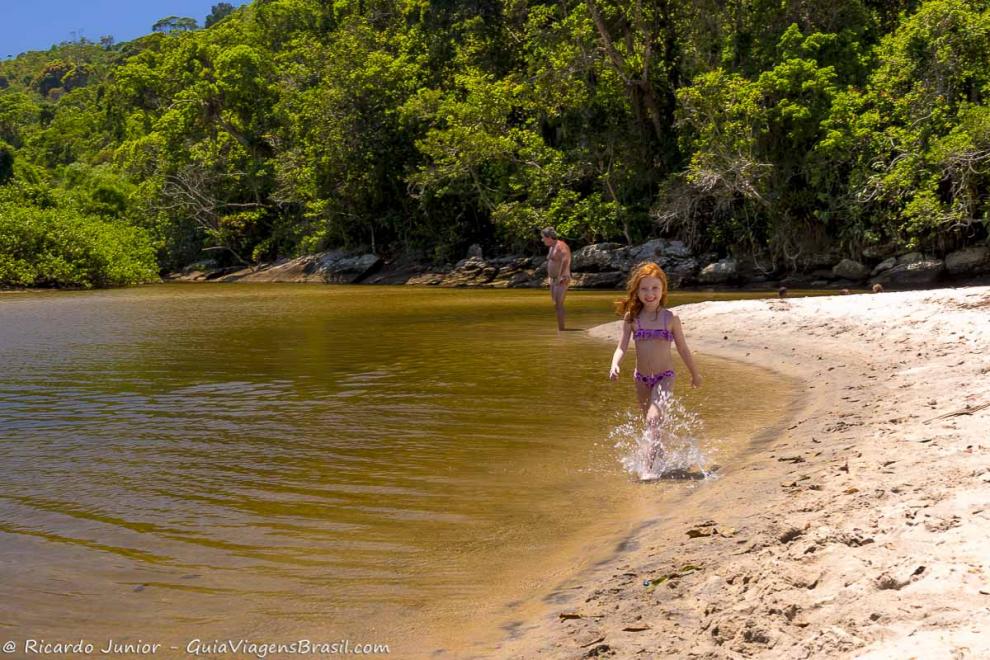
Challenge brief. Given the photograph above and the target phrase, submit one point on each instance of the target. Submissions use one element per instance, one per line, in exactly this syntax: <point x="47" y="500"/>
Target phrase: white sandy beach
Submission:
<point x="862" y="530"/>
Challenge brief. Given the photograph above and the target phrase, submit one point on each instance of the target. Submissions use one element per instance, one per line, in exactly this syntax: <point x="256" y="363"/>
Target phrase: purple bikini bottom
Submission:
<point x="655" y="379"/>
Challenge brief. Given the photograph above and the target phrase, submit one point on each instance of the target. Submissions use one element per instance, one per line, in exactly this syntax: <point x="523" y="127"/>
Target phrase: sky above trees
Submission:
<point x="37" y="24"/>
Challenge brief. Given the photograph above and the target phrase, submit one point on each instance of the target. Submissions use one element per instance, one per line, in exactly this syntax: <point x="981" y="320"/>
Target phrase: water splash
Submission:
<point x="672" y="451"/>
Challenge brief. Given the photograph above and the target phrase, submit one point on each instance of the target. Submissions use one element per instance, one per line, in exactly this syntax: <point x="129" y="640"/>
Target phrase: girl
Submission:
<point x="654" y="327"/>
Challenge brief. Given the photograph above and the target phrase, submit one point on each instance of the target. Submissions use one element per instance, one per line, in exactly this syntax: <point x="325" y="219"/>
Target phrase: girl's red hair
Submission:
<point x="630" y="306"/>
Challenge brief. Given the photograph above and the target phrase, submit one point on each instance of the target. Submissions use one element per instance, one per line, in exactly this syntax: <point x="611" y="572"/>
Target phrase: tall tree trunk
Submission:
<point x="649" y="111"/>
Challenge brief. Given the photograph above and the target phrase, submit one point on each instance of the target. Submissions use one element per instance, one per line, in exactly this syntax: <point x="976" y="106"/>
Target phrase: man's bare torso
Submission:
<point x="556" y="257"/>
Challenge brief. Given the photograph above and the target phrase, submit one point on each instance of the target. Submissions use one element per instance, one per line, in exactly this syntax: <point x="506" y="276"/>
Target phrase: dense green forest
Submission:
<point x="774" y="129"/>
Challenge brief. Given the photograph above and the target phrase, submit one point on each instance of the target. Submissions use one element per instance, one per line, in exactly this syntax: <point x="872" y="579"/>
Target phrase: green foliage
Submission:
<point x="915" y="140"/>
<point x="18" y="111"/>
<point x="772" y="127"/>
<point x="749" y="181"/>
<point x="220" y="11"/>
<point x="64" y="248"/>
<point x="97" y="191"/>
<point x="59" y="75"/>
<point x="174" y="24"/>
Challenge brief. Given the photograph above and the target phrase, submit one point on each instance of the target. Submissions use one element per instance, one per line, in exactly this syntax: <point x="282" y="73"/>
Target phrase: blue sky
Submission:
<point x="37" y="24"/>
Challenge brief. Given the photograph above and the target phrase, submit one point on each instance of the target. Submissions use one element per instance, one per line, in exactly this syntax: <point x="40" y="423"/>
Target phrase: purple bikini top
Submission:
<point x="646" y="334"/>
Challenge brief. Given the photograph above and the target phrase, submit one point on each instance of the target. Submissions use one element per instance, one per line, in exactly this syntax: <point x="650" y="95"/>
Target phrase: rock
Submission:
<point x="654" y="250"/>
<point x="917" y="273"/>
<point x="203" y="266"/>
<point x="886" y="264"/>
<point x="473" y="271"/>
<point x="708" y="257"/>
<point x="334" y="266"/>
<point x="673" y="256"/>
<point x="239" y="274"/>
<point x="221" y="272"/>
<point x="608" y="280"/>
<point x="283" y="270"/>
<point x="796" y="281"/>
<point x="968" y="261"/>
<point x="603" y="265"/>
<point x="823" y="274"/>
<point x="659" y="250"/>
<point x="508" y="268"/>
<point x="851" y="270"/>
<point x="681" y="274"/>
<point x="516" y="272"/>
<point x="677" y="250"/>
<point x="526" y="279"/>
<point x="192" y="276"/>
<point x="203" y="271"/>
<point x="719" y="272"/>
<point x="399" y="271"/>
<point x="428" y="279"/>
<point x="470" y="264"/>
<point x="879" y="251"/>
<point x="676" y="259"/>
<point x="339" y="268"/>
<point x="600" y="257"/>
<point x="910" y="258"/>
<point x="816" y="261"/>
<point x="505" y="261"/>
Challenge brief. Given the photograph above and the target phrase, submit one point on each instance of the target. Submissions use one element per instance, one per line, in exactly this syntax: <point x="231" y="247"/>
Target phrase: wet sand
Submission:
<point x="858" y="529"/>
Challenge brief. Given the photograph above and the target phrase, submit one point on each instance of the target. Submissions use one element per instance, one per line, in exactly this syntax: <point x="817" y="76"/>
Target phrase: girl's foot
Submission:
<point x="656" y="451"/>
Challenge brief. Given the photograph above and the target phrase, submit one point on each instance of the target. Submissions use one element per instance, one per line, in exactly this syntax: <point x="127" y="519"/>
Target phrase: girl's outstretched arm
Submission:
<point x="684" y="351"/>
<point x="620" y="350"/>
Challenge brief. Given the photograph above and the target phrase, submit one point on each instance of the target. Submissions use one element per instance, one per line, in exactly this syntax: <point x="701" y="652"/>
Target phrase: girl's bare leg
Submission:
<point x="654" y="422"/>
<point x="650" y="404"/>
<point x="643" y="396"/>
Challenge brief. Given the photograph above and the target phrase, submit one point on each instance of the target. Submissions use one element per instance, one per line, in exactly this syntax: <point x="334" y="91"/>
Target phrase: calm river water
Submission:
<point x="273" y="462"/>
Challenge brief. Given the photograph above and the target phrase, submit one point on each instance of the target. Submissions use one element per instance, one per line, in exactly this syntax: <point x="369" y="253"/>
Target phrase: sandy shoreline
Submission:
<point x="858" y="531"/>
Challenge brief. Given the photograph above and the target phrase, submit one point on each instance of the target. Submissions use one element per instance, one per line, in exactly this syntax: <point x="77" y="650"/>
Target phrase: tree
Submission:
<point x="220" y="11"/>
<point x="174" y="24"/>
<point x="916" y="140"/>
<point x="59" y="74"/>
<point x="639" y="42"/>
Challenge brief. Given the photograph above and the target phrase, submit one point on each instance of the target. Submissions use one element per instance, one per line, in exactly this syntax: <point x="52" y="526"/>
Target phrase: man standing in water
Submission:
<point x="559" y="270"/>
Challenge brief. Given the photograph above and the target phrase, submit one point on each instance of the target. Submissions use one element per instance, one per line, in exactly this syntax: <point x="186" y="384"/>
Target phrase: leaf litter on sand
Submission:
<point x="684" y="571"/>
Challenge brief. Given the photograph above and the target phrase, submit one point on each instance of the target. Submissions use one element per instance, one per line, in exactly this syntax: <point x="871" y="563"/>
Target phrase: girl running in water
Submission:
<point x="654" y="328"/>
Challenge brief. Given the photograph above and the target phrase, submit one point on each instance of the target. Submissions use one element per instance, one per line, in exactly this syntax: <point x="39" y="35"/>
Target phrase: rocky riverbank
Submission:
<point x="607" y="265"/>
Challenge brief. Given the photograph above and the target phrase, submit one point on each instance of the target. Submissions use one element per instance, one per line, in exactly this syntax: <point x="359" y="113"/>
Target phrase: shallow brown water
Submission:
<point x="275" y="462"/>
